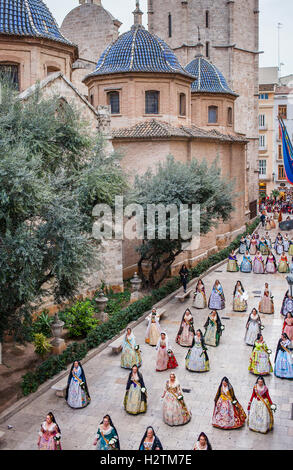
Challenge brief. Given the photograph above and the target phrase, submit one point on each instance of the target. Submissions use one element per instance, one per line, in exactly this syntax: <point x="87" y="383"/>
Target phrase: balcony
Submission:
<point x="262" y="148"/>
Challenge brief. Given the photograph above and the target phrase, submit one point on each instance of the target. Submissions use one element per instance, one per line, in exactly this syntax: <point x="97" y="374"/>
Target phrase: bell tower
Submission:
<point x="229" y="31"/>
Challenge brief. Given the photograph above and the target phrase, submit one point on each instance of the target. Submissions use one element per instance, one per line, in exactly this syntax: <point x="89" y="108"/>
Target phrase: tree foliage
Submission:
<point x="53" y="170"/>
<point x="178" y="183"/>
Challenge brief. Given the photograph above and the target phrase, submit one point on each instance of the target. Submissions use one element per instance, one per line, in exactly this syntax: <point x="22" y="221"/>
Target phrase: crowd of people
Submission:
<point x="228" y="413"/>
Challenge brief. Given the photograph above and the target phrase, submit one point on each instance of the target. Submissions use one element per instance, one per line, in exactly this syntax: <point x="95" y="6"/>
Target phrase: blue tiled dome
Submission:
<point x="138" y="50"/>
<point x="29" y="18"/>
<point x="209" y="79"/>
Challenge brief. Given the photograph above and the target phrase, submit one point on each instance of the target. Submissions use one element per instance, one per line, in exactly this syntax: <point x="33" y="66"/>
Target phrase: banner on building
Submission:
<point x="287" y="151"/>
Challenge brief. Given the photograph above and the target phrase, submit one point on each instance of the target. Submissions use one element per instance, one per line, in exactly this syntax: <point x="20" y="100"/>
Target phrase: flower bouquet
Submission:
<point x="169" y="352"/>
<point x="137" y="347"/>
<point x="180" y="397"/>
<point x="274" y="407"/>
<point x="112" y="443"/>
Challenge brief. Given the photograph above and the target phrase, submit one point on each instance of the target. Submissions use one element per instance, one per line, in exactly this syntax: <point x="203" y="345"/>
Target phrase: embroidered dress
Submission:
<point x="130" y="356"/>
<point x="260" y="360"/>
<point x="284" y="361"/>
<point x="47" y="434"/>
<point x="172" y="363"/>
<point x="279" y="247"/>
<point x="240" y="300"/>
<point x="217" y="298"/>
<point x="200" y="300"/>
<point x="175" y="412"/>
<point x="288" y="327"/>
<point x="290" y="251"/>
<point x="232" y="265"/>
<point x="286" y="244"/>
<point x="154" y="444"/>
<point x="253" y="246"/>
<point x="153" y="331"/>
<point x="197" y="359"/>
<point x="186" y="331"/>
<point x="263" y="247"/>
<point x="162" y="357"/>
<point x="248" y="241"/>
<point x="266" y="304"/>
<point x="135" y="400"/>
<point x="272" y="222"/>
<point x="287" y="305"/>
<point x="246" y="264"/>
<point x="213" y="330"/>
<point x="260" y="415"/>
<point x="228" y="415"/>
<point x="283" y="266"/>
<point x="242" y="247"/>
<point x="252" y="329"/>
<point x="258" y="265"/>
<point x="107" y="439"/>
<point x="77" y="395"/>
<point x="271" y="267"/>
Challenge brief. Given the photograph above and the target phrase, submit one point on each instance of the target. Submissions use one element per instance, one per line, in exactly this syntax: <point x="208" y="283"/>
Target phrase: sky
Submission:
<point x="272" y="12"/>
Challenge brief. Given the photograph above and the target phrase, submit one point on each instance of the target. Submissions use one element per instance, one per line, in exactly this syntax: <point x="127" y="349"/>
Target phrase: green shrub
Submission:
<point x="80" y="319"/>
<point x="41" y="344"/>
<point x="43" y="324"/>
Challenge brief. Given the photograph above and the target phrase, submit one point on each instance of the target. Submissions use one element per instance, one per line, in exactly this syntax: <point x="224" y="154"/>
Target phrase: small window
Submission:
<point x="280" y="154"/>
<point x="262" y="167"/>
<point x="152" y="102"/>
<point x="230" y="116"/>
<point x="182" y="104"/>
<point x="207" y="49"/>
<point x="207" y="19"/>
<point x="114" y="101"/>
<point x="213" y="114"/>
<point x="281" y="172"/>
<point x="262" y="141"/>
<point x="92" y="99"/>
<point x="170" y="25"/>
<point x="282" y="110"/>
<point x="10" y="73"/>
<point x="261" y="120"/>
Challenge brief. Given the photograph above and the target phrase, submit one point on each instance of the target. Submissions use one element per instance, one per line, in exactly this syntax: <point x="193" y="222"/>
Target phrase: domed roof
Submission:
<point x="29" y="18"/>
<point x="138" y="50"/>
<point x="209" y="79"/>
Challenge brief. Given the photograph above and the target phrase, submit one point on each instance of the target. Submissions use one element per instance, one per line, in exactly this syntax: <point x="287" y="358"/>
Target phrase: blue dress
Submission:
<point x="246" y="265"/>
<point x="284" y="361"/>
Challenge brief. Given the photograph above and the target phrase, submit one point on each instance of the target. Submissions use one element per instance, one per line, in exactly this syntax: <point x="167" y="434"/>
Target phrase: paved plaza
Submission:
<point x="107" y="382"/>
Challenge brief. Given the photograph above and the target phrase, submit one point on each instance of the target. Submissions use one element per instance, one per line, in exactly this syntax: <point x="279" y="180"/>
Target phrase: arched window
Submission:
<point x="152" y="102"/>
<point x="113" y="100"/>
<point x="10" y="73"/>
<point x="207" y="19"/>
<point x="230" y="116"/>
<point x="170" y="25"/>
<point x="213" y="114"/>
<point x="182" y="104"/>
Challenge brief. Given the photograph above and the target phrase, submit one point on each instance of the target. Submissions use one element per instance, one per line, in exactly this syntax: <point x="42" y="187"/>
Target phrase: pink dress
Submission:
<point x="288" y="328"/>
<point x="47" y="434"/>
<point x="162" y="357"/>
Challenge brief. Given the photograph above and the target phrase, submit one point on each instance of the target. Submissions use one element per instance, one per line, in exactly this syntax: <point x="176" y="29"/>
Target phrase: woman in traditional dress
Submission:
<point x="253" y="327"/>
<point x="50" y="434"/>
<point x="268" y="224"/>
<point x="272" y="223"/>
<point x="135" y="399"/>
<point x="228" y="413"/>
<point x="283" y="266"/>
<point x="130" y="351"/>
<point x="271" y="265"/>
<point x="199" y="298"/>
<point x="175" y="412"/>
<point x="260" y="406"/>
<point x="248" y="241"/>
<point x="279" y="247"/>
<point x="197" y="359"/>
<point x="242" y="246"/>
<point x="107" y="435"/>
<point x="77" y="394"/>
<point x="232" y="265"/>
<point x="266" y="304"/>
<point x="217" y="298"/>
<point x="268" y="240"/>
<point x="186" y="331"/>
<point x="253" y="245"/>
<point x="286" y="242"/>
<point x="202" y="443"/>
<point x="288" y="326"/>
<point x="258" y="264"/>
<point x="287" y="304"/>
<point x="246" y="264"/>
<point x="240" y="298"/>
<point x="162" y="352"/>
<point x="213" y="329"/>
<point x="263" y="247"/>
<point x="284" y="358"/>
<point x="150" y="440"/>
<point x="153" y="329"/>
<point x="259" y="363"/>
<point x="290" y="251"/>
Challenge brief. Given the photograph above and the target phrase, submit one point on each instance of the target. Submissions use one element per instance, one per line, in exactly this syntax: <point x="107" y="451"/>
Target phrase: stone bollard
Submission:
<point x="135" y="287"/>
<point x="101" y="301"/>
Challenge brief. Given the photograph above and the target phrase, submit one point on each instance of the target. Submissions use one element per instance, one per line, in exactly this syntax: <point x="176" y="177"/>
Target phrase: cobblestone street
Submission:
<point x="107" y="380"/>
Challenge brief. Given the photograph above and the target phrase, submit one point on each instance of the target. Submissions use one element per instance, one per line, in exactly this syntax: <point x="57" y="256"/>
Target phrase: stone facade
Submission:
<point x="229" y="31"/>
